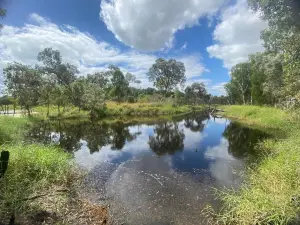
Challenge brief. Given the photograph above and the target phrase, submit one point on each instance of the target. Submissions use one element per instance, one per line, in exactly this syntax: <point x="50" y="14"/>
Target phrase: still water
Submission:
<point x="156" y="172"/>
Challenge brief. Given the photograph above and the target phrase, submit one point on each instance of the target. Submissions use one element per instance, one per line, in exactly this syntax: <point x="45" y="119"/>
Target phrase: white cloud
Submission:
<point x="237" y="35"/>
<point x="223" y="165"/>
<point x="184" y="46"/>
<point x="35" y="18"/>
<point x="151" y="24"/>
<point x="218" y="88"/>
<point x="22" y="44"/>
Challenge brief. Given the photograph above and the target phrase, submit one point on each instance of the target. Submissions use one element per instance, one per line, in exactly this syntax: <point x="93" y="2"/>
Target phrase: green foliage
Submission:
<point x="56" y="83"/>
<point x="12" y="129"/>
<point x="272" y="187"/>
<point x="167" y="74"/>
<point x="119" y="84"/>
<point x="196" y="93"/>
<point x="274" y="74"/>
<point x="23" y="82"/>
<point x="2" y="15"/>
<point x="33" y="170"/>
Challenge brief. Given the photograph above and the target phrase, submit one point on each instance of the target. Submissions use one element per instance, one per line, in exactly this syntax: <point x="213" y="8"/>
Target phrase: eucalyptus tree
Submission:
<point x="119" y="84"/>
<point x="167" y="74"/>
<point x="23" y="82"/>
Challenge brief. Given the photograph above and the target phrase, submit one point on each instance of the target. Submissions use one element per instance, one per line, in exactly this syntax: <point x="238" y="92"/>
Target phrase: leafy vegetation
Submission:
<point x="167" y="74"/>
<point x="271" y="77"/>
<point x="55" y="83"/>
<point x="271" y="191"/>
<point x="36" y="173"/>
<point x="2" y="14"/>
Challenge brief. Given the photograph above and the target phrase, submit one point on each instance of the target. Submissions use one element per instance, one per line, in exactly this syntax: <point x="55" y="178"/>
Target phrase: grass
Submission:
<point x="271" y="192"/>
<point x="12" y="128"/>
<point x="34" y="171"/>
<point x="118" y="109"/>
<point x="69" y="112"/>
<point x="147" y="109"/>
<point x="40" y="184"/>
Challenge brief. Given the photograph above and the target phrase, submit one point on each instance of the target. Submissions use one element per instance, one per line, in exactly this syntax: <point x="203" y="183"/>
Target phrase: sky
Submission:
<point x="208" y="36"/>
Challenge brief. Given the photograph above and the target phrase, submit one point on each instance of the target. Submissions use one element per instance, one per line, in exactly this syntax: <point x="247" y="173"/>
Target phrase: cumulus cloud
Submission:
<point x="223" y="165"/>
<point x="151" y="24"/>
<point x="22" y="44"/>
<point x="218" y="88"/>
<point x="237" y="35"/>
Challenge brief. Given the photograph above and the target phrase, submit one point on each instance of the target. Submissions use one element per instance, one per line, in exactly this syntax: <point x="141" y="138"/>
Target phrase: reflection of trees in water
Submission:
<point x="242" y="140"/>
<point x="96" y="136"/>
<point x="167" y="139"/>
<point x="194" y="121"/>
<point x="119" y="135"/>
<point x="69" y="135"/>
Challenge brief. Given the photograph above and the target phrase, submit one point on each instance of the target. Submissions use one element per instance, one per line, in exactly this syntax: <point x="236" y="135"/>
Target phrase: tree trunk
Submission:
<point x="28" y="110"/>
<point x="244" y="99"/>
<point x="48" y="106"/>
<point x="58" y="109"/>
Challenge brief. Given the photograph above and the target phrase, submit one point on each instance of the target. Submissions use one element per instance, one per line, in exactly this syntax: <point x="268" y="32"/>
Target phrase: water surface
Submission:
<point x="157" y="172"/>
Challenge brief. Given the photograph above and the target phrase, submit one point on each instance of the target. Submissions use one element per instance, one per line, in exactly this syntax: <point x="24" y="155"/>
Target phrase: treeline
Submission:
<point x="53" y="82"/>
<point x="271" y="77"/>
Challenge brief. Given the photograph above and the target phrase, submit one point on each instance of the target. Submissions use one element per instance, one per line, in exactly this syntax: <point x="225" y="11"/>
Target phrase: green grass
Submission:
<point x="35" y="171"/>
<point x="147" y="109"/>
<point x="69" y="112"/>
<point x="12" y="128"/>
<point x="118" y="109"/>
<point x="271" y="192"/>
<point x="35" y="174"/>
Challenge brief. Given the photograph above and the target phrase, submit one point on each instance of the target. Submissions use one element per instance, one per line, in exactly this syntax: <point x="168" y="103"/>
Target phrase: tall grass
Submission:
<point x="35" y="172"/>
<point x="69" y="112"/>
<point x="271" y="193"/>
<point x="147" y="109"/>
<point x="12" y="128"/>
<point x="118" y="109"/>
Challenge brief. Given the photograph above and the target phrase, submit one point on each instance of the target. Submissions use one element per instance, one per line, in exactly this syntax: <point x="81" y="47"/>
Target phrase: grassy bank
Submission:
<point x="271" y="193"/>
<point x="40" y="184"/>
<point x="119" y="109"/>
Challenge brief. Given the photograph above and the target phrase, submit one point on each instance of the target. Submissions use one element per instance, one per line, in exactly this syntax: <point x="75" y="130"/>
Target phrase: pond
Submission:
<point x="156" y="171"/>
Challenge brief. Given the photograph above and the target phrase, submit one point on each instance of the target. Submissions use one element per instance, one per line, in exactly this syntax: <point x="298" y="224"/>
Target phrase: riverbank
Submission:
<point x="271" y="193"/>
<point x="114" y="109"/>
<point x="41" y="182"/>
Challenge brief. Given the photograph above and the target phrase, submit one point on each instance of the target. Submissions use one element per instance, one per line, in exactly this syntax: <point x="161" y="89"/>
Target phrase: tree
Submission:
<point x="166" y="75"/>
<point x="2" y="15"/>
<point x="47" y="91"/>
<point x="240" y="75"/>
<point x="78" y="90"/>
<point x="283" y="36"/>
<point x="52" y="61"/>
<point x="119" y="84"/>
<point x="273" y="84"/>
<point x="60" y="96"/>
<point x="23" y="82"/>
<point x="258" y="78"/>
<point x="232" y="93"/>
<point x="94" y="98"/>
<point x="196" y="92"/>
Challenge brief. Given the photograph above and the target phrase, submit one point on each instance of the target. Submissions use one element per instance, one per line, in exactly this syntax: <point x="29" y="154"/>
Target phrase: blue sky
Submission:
<point x="208" y="36"/>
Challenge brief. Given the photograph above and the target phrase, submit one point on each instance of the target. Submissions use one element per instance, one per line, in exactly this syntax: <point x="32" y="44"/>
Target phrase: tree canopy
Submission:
<point x="274" y="75"/>
<point x="166" y="75"/>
